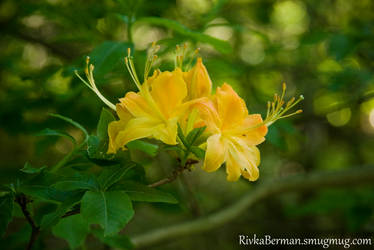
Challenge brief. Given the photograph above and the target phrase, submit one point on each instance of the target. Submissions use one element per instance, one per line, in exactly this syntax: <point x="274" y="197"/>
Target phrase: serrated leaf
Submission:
<point x="141" y="192"/>
<point x="52" y="132"/>
<point x="143" y="146"/>
<point x="28" y="169"/>
<point x="102" y="127"/>
<point x="119" y="241"/>
<point x="6" y="209"/>
<point x="108" y="55"/>
<point x="220" y="45"/>
<point x="112" y="175"/>
<point x="73" y="229"/>
<point x="112" y="210"/>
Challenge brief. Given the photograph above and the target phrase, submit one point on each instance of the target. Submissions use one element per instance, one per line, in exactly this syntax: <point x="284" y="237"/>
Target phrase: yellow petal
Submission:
<point x="231" y="108"/>
<point x="136" y="105"/>
<point x="167" y="132"/>
<point x="198" y="81"/>
<point x="253" y="136"/>
<point x="136" y="128"/>
<point x="215" y="153"/>
<point x="122" y="112"/>
<point x="115" y="127"/>
<point x="168" y="91"/>
<point x="243" y="159"/>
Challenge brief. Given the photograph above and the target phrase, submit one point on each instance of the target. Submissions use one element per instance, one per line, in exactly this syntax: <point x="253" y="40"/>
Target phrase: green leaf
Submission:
<point x="45" y="193"/>
<point x="194" y="135"/>
<point x="140" y="192"/>
<point x="112" y="210"/>
<point x="77" y="181"/>
<point x="112" y="175"/>
<point x="182" y="137"/>
<point x="220" y="45"/>
<point x="28" y="169"/>
<point x="74" y="123"/>
<point x="108" y="55"/>
<point x="6" y="208"/>
<point x="52" y="132"/>
<point x="116" y="241"/>
<point x="73" y="229"/>
<point x="144" y="146"/>
<point x="52" y="218"/>
<point x="200" y="153"/>
<point x="102" y="127"/>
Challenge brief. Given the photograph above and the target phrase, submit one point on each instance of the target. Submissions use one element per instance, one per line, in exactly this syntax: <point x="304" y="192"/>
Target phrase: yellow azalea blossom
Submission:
<point x="154" y="111"/>
<point x="161" y="102"/>
<point x="234" y="135"/>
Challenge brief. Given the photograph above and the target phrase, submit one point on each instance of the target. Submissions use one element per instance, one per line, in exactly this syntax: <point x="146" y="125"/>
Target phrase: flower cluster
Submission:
<point x="168" y="99"/>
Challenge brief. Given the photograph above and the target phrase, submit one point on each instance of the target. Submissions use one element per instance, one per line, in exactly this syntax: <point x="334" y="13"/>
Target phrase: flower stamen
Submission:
<point x="91" y="83"/>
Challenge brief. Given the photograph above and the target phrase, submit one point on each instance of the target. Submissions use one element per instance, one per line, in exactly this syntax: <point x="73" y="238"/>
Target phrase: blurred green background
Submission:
<point x="323" y="49"/>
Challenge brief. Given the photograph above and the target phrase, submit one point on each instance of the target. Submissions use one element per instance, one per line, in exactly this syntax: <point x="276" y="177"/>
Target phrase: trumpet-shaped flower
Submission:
<point x="154" y="111"/>
<point x="234" y="135"/>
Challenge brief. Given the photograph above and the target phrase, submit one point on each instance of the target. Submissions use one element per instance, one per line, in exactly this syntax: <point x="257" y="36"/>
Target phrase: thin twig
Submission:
<point x="174" y="174"/>
<point x="298" y="183"/>
<point x="35" y="230"/>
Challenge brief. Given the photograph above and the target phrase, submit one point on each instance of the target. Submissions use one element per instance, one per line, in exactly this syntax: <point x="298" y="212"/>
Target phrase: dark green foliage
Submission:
<point x="110" y="209"/>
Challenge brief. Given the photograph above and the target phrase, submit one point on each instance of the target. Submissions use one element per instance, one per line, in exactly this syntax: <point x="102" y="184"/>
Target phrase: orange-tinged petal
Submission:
<point x="168" y="91"/>
<point x="215" y="153"/>
<point x="231" y="108"/>
<point x="208" y="115"/>
<point x="250" y="131"/>
<point x="136" y="105"/>
<point x="198" y="81"/>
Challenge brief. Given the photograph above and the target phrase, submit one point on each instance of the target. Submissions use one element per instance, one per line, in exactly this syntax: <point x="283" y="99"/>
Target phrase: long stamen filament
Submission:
<point x="91" y="83"/>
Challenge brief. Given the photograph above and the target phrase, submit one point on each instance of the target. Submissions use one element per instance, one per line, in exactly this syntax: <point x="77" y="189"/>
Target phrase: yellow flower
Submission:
<point x="198" y="81"/>
<point x="153" y="112"/>
<point x="234" y="135"/>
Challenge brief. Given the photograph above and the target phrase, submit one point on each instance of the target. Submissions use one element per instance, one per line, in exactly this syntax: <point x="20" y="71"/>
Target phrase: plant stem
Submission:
<point x="67" y="157"/>
<point x="174" y="174"/>
<point x="35" y="230"/>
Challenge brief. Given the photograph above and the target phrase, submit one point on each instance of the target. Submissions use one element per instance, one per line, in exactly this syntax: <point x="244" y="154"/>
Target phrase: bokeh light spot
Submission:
<point x="339" y="118"/>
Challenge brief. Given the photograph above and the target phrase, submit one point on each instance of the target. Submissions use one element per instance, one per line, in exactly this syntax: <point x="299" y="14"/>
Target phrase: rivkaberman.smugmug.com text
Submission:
<point x="267" y="240"/>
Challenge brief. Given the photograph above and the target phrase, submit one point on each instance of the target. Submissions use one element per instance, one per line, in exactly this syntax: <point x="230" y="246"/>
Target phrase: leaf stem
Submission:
<point x="174" y="174"/>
